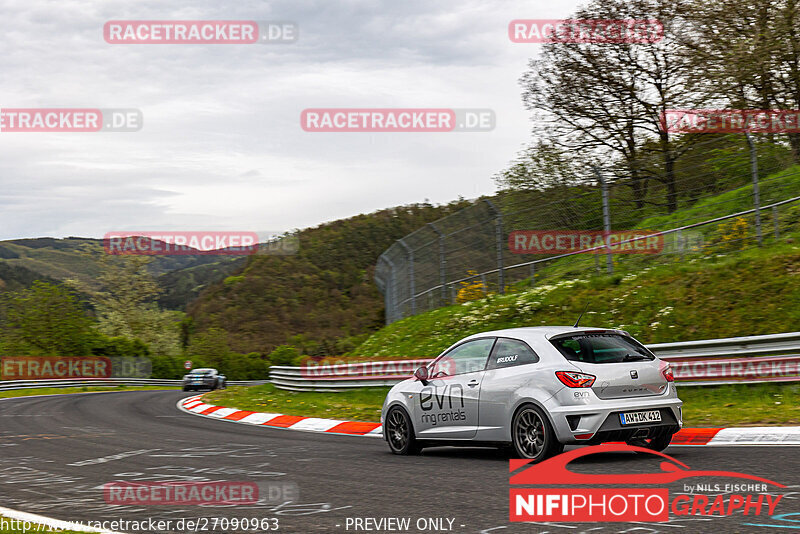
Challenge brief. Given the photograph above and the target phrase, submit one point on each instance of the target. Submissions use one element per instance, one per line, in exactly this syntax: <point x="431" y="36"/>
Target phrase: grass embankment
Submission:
<point x="714" y="291"/>
<point x="721" y="237"/>
<point x="59" y="391"/>
<point x="736" y="405"/>
<point x="739" y="293"/>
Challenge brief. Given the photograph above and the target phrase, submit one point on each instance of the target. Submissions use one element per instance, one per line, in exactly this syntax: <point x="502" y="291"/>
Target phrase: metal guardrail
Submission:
<point x="346" y="376"/>
<point x="6" y="385"/>
<point x="788" y="343"/>
<point x="692" y="361"/>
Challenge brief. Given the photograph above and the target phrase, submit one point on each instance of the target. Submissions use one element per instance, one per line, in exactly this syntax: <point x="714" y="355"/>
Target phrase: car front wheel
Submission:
<point x="533" y="436"/>
<point x="399" y="433"/>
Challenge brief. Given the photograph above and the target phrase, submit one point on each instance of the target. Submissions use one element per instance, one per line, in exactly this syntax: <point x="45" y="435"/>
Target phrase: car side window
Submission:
<point x="465" y="358"/>
<point x="510" y="353"/>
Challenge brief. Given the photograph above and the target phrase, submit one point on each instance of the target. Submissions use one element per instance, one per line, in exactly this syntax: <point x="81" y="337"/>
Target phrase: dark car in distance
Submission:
<point x="205" y="378"/>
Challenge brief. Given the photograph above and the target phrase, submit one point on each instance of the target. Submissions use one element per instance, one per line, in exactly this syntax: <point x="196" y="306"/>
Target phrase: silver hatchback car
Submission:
<point x="535" y="390"/>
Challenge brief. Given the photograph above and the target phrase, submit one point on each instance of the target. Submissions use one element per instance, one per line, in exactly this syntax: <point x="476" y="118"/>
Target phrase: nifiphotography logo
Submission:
<point x="629" y="503"/>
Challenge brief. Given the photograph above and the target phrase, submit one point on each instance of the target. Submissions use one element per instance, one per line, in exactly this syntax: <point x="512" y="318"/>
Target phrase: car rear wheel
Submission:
<point x="400" y="433"/>
<point x="533" y="436"/>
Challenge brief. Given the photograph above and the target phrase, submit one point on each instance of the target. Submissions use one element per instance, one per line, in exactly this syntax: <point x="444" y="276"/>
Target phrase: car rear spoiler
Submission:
<point x="589" y="332"/>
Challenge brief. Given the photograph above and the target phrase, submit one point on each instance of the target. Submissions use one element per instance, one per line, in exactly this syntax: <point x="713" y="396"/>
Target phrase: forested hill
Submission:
<point x="322" y="300"/>
<point x="181" y="278"/>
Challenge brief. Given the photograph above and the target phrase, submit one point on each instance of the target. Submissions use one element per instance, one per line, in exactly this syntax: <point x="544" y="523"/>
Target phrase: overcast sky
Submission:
<point x="222" y="147"/>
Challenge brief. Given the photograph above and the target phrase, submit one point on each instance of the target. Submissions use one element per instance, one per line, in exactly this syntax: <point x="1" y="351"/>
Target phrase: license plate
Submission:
<point x="633" y="418"/>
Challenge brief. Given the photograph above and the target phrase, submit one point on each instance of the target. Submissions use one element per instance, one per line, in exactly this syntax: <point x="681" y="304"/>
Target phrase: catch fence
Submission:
<point x="607" y="225"/>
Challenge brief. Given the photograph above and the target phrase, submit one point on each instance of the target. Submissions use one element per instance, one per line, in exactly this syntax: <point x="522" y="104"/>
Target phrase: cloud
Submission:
<point x="221" y="146"/>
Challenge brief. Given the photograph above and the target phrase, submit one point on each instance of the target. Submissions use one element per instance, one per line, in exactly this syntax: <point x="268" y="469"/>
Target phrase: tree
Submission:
<point x="46" y="320"/>
<point x="125" y="303"/>
<point x="210" y="346"/>
<point x="746" y="54"/>
<point x="284" y="355"/>
<point x="606" y="99"/>
<point x="544" y="166"/>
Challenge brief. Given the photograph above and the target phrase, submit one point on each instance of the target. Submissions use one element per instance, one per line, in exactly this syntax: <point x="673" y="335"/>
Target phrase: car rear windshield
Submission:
<point x="601" y="348"/>
<point x="200" y="373"/>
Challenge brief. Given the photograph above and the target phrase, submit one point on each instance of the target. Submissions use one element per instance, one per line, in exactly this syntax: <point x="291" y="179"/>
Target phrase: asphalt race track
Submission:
<point x="328" y="478"/>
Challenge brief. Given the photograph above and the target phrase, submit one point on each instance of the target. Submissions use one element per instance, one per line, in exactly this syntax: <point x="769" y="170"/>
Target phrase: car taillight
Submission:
<point x="575" y="380"/>
<point x="667" y="372"/>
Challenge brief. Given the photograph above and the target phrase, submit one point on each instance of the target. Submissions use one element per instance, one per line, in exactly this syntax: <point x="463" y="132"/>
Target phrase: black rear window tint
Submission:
<point x="601" y="348"/>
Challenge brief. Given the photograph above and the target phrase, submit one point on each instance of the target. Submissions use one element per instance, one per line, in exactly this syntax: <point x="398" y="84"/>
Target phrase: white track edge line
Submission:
<point x="75" y="393"/>
<point x="51" y="522"/>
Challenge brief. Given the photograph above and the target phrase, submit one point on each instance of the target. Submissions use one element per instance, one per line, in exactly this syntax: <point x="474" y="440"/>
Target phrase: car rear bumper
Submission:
<point x="600" y="422"/>
<point x="199" y="385"/>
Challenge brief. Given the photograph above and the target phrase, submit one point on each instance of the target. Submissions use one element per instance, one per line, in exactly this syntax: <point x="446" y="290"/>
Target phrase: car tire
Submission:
<point x="185" y="388"/>
<point x="532" y="435"/>
<point x="656" y="444"/>
<point x="399" y="433"/>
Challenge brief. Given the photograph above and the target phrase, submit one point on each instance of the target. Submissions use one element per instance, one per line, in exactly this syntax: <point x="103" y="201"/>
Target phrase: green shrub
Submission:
<point x="231" y="280"/>
<point x="284" y="355"/>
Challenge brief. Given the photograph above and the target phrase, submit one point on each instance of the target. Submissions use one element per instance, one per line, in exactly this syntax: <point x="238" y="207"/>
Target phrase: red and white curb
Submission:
<point x="276" y="420"/>
<point x="777" y="435"/>
<point x="761" y="435"/>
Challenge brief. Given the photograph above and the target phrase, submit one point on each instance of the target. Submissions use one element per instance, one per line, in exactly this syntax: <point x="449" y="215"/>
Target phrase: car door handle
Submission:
<point x="472" y="383"/>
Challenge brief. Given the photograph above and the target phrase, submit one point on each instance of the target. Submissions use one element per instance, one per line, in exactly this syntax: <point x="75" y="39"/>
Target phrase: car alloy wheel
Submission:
<point x="532" y="435"/>
<point x="399" y="433"/>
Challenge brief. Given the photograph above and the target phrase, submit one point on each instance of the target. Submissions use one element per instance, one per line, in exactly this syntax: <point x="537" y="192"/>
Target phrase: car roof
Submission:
<point x="204" y="369"/>
<point x="539" y="332"/>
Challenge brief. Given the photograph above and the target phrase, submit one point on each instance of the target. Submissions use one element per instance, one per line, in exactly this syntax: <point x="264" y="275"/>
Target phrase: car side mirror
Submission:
<point x="421" y="374"/>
